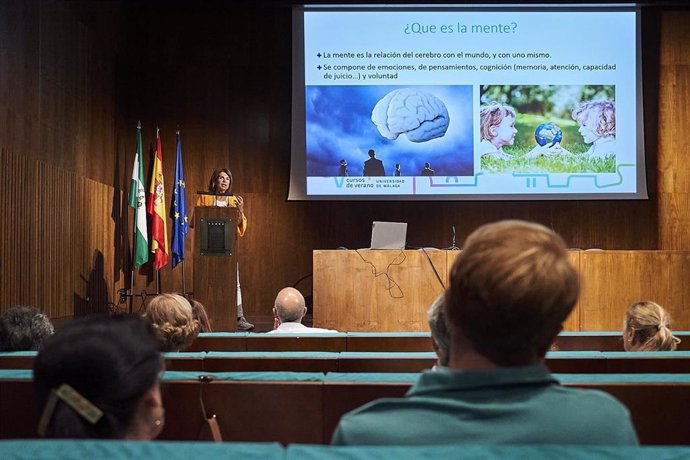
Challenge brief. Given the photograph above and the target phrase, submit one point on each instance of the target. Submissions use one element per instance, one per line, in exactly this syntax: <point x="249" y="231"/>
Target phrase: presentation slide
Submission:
<point x="465" y="104"/>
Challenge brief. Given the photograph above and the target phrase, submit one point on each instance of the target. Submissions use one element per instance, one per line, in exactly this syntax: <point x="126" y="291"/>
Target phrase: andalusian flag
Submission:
<point x="156" y="207"/>
<point x="137" y="200"/>
<point x="178" y="209"/>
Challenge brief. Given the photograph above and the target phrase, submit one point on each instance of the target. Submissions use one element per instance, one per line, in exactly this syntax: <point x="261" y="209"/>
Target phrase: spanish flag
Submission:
<point x="156" y="208"/>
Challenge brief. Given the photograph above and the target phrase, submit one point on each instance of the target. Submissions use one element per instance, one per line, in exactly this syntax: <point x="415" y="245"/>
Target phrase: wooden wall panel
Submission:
<point x="674" y="137"/>
<point x="615" y="279"/>
<point x="57" y="89"/>
<point x="56" y="240"/>
<point x="222" y="74"/>
<point x="58" y="118"/>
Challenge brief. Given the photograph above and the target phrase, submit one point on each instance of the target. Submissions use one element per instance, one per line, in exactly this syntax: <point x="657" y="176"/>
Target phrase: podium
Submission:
<point x="215" y="264"/>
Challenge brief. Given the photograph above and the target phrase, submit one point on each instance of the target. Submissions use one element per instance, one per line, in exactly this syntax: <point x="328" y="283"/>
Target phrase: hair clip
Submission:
<point x="73" y="399"/>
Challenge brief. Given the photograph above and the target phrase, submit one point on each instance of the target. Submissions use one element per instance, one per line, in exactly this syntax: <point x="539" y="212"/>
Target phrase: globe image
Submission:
<point x="548" y="133"/>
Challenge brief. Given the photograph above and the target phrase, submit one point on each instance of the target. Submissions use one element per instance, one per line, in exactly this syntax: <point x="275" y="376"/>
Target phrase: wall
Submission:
<point x="58" y="156"/>
<point x="81" y="76"/>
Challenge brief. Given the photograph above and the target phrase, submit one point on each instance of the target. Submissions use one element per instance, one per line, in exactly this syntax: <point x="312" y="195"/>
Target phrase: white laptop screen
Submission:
<point x="388" y="235"/>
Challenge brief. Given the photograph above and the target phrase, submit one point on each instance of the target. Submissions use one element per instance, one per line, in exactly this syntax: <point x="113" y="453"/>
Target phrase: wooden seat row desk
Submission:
<point x="411" y="362"/>
<point x="305" y="408"/>
<point x="389" y="342"/>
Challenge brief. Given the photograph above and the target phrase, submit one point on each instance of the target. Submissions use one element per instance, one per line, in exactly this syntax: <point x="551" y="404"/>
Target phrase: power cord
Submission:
<point x="392" y="284"/>
<point x="438" y="277"/>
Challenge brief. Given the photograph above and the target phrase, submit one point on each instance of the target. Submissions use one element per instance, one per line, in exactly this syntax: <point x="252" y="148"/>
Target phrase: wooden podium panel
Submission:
<point x="376" y="290"/>
<point x="215" y="276"/>
<point x="612" y="280"/>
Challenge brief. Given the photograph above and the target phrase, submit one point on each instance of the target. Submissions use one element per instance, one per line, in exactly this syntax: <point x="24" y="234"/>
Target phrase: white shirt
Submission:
<point x="299" y="328"/>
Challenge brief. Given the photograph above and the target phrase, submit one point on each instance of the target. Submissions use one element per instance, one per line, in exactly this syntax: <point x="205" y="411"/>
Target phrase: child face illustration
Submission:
<point x="588" y="127"/>
<point x="505" y="132"/>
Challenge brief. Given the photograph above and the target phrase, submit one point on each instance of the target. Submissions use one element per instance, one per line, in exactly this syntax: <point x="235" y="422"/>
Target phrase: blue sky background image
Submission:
<point x="339" y="127"/>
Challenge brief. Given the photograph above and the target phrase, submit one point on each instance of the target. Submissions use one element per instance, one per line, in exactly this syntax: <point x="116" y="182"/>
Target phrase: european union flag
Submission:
<point x="178" y="209"/>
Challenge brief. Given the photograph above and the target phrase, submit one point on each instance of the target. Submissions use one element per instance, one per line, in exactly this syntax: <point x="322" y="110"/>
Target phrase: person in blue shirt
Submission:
<point x="510" y="291"/>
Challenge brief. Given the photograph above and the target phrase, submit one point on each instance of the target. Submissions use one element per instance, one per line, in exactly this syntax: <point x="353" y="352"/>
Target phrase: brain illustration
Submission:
<point x="418" y="114"/>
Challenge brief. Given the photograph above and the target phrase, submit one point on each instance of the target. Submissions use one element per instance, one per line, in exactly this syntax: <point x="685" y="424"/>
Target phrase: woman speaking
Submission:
<point x="219" y="186"/>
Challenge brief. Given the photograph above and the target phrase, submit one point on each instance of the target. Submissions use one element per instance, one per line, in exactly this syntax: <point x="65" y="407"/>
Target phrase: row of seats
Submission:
<point x="388" y="342"/>
<point x="306" y="407"/>
<point x="60" y="449"/>
<point x="586" y="362"/>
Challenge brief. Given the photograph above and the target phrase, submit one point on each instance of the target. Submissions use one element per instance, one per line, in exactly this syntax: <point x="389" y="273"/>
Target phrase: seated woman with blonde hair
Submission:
<point x="648" y="328"/>
<point x="172" y="318"/>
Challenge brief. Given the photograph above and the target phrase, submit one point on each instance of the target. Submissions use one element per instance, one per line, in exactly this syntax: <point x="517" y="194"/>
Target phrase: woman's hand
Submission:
<point x="240" y="207"/>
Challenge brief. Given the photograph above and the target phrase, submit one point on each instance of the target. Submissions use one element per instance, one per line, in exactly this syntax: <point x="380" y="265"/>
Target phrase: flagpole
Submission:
<point x="132" y="262"/>
<point x="178" y="212"/>
<point x="184" y="287"/>
<point x="134" y="242"/>
<point x="134" y="248"/>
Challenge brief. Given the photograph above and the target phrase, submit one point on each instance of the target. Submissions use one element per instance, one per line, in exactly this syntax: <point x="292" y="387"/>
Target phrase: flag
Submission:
<point x="137" y="199"/>
<point x="156" y="207"/>
<point x="178" y="209"/>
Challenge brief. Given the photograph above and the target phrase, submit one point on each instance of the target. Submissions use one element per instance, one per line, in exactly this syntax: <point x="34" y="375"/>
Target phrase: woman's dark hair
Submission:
<point x="111" y="361"/>
<point x="214" y="178"/>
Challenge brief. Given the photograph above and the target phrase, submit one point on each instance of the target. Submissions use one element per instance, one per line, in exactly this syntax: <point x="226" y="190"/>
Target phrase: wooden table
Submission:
<point x="390" y="291"/>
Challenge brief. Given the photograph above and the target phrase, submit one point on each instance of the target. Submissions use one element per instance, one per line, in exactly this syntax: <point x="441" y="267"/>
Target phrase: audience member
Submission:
<point x="199" y="314"/>
<point x="648" y="328"/>
<point x="440" y="337"/>
<point x="288" y="311"/>
<point x="510" y="290"/>
<point x="172" y="319"/>
<point x="24" y="329"/>
<point x="97" y="377"/>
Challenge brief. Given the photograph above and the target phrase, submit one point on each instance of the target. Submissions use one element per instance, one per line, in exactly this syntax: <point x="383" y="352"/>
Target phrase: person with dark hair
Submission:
<point x="509" y="292"/>
<point x="373" y="166"/>
<point x="342" y="169"/>
<point x="427" y="171"/>
<point x="220" y="186"/>
<point x="98" y="377"/>
<point x="397" y="170"/>
<point x="24" y="328"/>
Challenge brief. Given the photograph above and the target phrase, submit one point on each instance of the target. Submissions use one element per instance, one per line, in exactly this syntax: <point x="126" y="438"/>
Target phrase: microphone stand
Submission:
<point x="453" y="246"/>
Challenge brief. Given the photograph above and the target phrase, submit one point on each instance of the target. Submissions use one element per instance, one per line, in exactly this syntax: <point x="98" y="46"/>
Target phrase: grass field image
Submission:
<point x="534" y="105"/>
